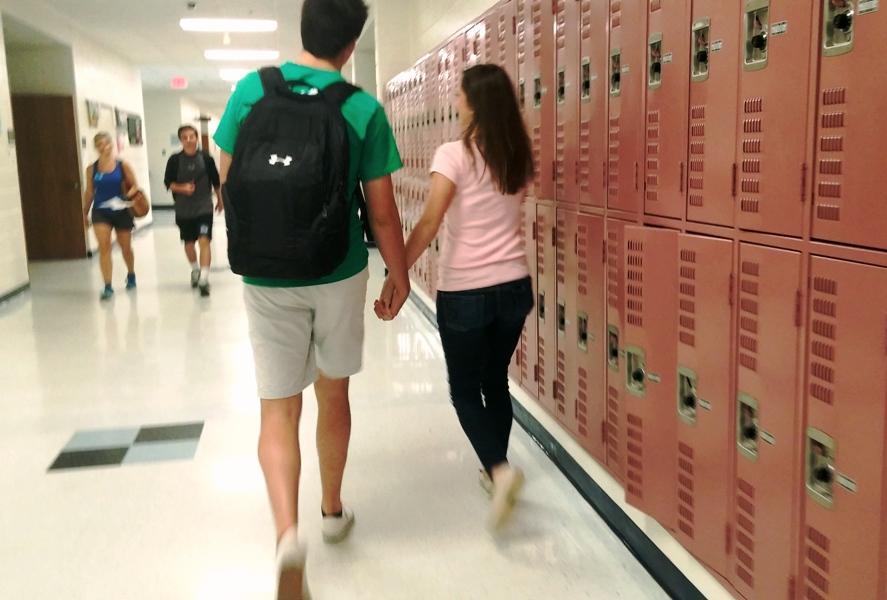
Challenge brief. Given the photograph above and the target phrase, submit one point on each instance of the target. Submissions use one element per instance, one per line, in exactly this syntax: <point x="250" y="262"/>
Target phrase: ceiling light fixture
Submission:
<point x="233" y="74"/>
<point x="228" y="25"/>
<point x="226" y="54"/>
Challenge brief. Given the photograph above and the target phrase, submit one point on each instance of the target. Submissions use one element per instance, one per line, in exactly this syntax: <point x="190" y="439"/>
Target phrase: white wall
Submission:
<point x="13" y="255"/>
<point x="46" y="70"/>
<point x="99" y="75"/>
<point x="163" y="117"/>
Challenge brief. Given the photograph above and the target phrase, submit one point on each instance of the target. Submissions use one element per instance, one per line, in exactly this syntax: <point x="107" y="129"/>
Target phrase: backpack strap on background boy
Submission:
<point x="339" y="92"/>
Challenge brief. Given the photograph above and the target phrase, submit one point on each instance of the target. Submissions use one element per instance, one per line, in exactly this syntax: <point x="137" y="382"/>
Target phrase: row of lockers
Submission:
<point x="734" y="382"/>
<point x="755" y="114"/>
<point x="738" y="392"/>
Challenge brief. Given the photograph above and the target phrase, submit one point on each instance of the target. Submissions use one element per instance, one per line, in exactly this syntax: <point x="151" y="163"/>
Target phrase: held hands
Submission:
<point x="187" y="189"/>
<point x="392" y="298"/>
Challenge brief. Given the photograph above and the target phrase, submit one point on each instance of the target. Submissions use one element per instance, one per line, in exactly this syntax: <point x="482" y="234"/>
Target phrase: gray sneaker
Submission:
<point x="195" y="277"/>
<point x="336" y="529"/>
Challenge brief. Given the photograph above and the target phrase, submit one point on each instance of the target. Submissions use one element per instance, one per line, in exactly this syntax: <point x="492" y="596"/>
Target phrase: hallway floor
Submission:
<point x="183" y="513"/>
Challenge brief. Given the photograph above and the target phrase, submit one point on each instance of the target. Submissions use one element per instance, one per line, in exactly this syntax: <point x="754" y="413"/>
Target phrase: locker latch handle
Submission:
<point x="537" y="91"/>
<point x="636" y="371"/>
<point x="541" y="310"/>
<point x="582" y="326"/>
<point x="821" y="472"/>
<point x="688" y="400"/>
<point x="747" y="429"/>
<point x="613" y="347"/>
<point x="561" y="86"/>
<point x="561" y="317"/>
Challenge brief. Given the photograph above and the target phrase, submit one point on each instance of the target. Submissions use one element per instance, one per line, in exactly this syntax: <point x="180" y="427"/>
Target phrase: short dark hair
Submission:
<point x="328" y="26"/>
<point x="185" y="128"/>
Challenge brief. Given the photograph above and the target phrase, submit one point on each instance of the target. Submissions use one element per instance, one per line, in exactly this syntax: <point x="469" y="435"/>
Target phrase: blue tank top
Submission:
<point x="108" y="186"/>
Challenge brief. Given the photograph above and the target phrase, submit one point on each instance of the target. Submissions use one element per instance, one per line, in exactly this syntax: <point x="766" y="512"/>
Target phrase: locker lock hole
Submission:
<point x="687" y="398"/>
<point x="757" y="23"/>
<point x="701" y="41"/>
<point x="586" y="80"/>
<point x="821" y="472"/>
<point x="748" y="431"/>
<point x="636" y="371"/>
<point x="613" y="347"/>
<point x="537" y="91"/>
<point x="655" y="63"/>
<point x="582" y="327"/>
<point x="561" y="86"/>
<point x="541" y="304"/>
<point x="615" y="73"/>
<point x="561" y="318"/>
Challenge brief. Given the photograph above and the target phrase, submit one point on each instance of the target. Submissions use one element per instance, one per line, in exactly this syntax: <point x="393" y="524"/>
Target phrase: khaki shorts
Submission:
<point x="299" y="333"/>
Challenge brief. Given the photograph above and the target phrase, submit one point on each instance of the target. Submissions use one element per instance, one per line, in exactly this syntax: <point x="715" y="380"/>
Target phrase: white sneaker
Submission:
<point x="505" y="493"/>
<point x="292" y="579"/>
<point x="336" y="529"/>
<point x="486" y="484"/>
<point x="195" y="277"/>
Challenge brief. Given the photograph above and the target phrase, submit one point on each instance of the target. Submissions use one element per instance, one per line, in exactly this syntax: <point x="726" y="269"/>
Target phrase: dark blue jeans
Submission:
<point x="480" y="330"/>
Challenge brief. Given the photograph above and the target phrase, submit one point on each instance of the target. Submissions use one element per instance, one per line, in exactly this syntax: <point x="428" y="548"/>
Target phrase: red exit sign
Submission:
<point x="178" y="83"/>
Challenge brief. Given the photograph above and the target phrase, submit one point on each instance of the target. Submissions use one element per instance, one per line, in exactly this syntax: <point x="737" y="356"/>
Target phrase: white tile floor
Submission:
<point x="201" y="529"/>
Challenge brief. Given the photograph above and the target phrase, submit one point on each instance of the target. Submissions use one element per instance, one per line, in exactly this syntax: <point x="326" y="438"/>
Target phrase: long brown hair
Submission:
<point x="497" y="127"/>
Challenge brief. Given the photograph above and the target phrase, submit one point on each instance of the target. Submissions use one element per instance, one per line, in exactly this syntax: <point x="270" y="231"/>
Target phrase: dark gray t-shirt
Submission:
<point x="199" y="169"/>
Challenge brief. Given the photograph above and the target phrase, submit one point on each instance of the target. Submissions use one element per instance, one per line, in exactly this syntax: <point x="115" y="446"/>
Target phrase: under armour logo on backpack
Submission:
<point x="276" y="160"/>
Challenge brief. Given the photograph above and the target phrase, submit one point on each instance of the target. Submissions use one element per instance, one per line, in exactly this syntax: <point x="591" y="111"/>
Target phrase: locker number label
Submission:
<point x="768" y="437"/>
<point x="626" y="69"/>
<point x="847" y="483"/>
<point x="867" y="6"/>
<point x="779" y="28"/>
<point x="667" y="57"/>
<point x="717" y="45"/>
<point x="705" y="404"/>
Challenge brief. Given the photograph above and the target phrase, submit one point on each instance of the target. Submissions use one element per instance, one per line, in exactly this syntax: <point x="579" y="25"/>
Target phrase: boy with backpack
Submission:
<point x="297" y="141"/>
<point x="192" y="176"/>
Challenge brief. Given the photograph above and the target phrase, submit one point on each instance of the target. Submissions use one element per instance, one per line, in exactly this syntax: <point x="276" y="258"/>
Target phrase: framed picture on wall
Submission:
<point x="92" y="113"/>
<point x="121" y="116"/>
<point x="134" y="128"/>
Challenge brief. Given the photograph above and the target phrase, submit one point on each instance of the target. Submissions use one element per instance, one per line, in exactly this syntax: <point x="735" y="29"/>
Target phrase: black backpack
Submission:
<point x="288" y="211"/>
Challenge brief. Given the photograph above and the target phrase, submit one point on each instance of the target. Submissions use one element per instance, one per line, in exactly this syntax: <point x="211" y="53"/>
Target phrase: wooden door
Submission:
<point x="49" y="176"/>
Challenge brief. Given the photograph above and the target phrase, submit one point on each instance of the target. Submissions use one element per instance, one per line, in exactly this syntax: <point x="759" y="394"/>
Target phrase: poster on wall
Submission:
<point x="134" y="128"/>
<point x="122" y="121"/>
<point x="92" y="113"/>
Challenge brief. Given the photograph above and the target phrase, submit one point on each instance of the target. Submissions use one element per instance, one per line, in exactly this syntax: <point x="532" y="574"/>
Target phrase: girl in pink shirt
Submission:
<point x="485" y="293"/>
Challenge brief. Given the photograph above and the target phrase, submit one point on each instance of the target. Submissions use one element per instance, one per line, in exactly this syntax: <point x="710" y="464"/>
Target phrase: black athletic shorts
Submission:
<point x="192" y="229"/>
<point x="117" y="219"/>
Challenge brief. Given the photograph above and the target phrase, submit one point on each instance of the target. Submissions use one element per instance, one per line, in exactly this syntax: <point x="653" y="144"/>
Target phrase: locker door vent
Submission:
<point x="613" y="158"/>
<point x="615" y="13"/>
<point x="634" y="468"/>
<point x="816" y="561"/>
<point x="524" y="353"/>
<point x="829" y="178"/>
<point x="822" y="339"/>
<point x="560" y="385"/>
<point x="614" y="268"/>
<point x="521" y="39"/>
<point x="540" y="363"/>
<point x="584" y="163"/>
<point x="697" y="158"/>
<point x="581" y="409"/>
<point x="653" y="146"/>
<point x="503" y="36"/>
<point x="537" y="28"/>
<point x="537" y="158"/>
<point x="748" y="314"/>
<point x="686" y="486"/>
<point x="560" y="31"/>
<point x="582" y="281"/>
<point x="634" y="287"/>
<point x="585" y="19"/>
<point x="613" y="425"/>
<point x="540" y="246"/>
<point x="560" y="164"/>
<point x="745" y="532"/>
<point x="687" y="299"/>
<point x="752" y="146"/>
<point x="560" y="236"/>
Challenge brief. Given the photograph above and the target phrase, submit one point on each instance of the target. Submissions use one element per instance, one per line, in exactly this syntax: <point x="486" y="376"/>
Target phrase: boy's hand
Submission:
<point x="393" y="296"/>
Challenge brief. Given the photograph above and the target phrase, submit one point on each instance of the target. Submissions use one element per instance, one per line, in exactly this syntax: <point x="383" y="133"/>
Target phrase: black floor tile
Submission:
<point x="80" y="459"/>
<point x="168" y="433"/>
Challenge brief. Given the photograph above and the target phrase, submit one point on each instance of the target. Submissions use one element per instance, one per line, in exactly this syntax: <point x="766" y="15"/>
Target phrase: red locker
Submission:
<point x="614" y="341"/>
<point x="591" y="170"/>
<point x="766" y="421"/>
<point x="546" y="304"/>
<point x="628" y="36"/>
<point x="529" y="344"/>
<point x="650" y="355"/>
<point x="536" y="80"/>
<point x="587" y="406"/>
<point x="567" y="369"/>
<point x="704" y="397"/>
<point x="850" y="177"/>
<point x="567" y="94"/>
<point x="845" y="535"/>
<point x="668" y="97"/>
<point x="772" y="144"/>
<point x="714" y="85"/>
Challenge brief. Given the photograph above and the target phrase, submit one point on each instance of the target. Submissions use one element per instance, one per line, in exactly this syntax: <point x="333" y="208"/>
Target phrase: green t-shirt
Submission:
<point x="373" y="153"/>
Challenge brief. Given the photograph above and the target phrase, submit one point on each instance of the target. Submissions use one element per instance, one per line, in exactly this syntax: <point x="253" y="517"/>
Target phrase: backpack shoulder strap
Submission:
<point x="272" y="80"/>
<point x="339" y="92"/>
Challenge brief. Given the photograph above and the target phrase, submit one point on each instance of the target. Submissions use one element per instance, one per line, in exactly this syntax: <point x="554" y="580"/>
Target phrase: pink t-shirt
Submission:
<point x="482" y="242"/>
